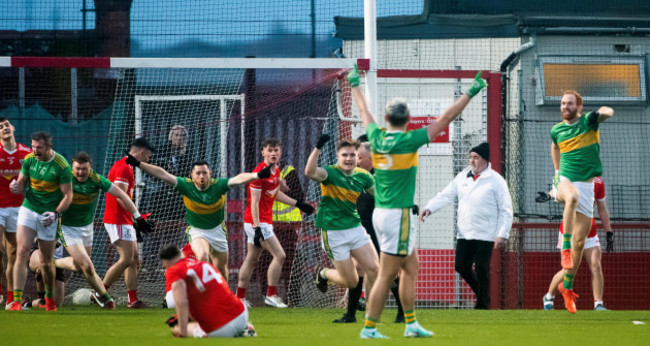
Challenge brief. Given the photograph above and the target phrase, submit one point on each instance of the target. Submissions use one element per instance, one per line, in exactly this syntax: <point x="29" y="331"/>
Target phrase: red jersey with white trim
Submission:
<point x="269" y="188"/>
<point x="10" y="165"/>
<point x="120" y="174"/>
<point x="211" y="302"/>
<point x="599" y="195"/>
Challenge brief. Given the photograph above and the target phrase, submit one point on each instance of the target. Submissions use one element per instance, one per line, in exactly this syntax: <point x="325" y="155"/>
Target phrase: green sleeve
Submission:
<point x="181" y="185"/>
<point x="372" y="130"/>
<point x="66" y="175"/>
<point x="419" y="137"/>
<point x="104" y="183"/>
<point x="25" y="168"/>
<point x="370" y="181"/>
<point x="328" y="170"/>
<point x="222" y="185"/>
<point x="594" y="125"/>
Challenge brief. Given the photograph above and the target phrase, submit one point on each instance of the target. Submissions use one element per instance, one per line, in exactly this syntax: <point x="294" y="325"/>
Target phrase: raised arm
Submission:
<point x="366" y="117"/>
<point x="245" y="178"/>
<point x="157" y="172"/>
<point x="456" y="108"/>
<point x="312" y="171"/>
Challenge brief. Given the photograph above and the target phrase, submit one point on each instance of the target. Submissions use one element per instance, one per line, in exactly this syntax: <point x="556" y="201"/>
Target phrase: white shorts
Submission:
<point x="267" y="231"/>
<point x="9" y="218"/>
<point x="589" y="242"/>
<point x="32" y="220"/>
<point x="585" y="196"/>
<point x="395" y="230"/>
<point x="120" y="232"/>
<point x="232" y="329"/>
<point x="338" y="244"/>
<point x="216" y="237"/>
<point x="72" y="235"/>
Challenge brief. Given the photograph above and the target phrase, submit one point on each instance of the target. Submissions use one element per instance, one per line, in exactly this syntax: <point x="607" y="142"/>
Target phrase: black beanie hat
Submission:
<point x="483" y="150"/>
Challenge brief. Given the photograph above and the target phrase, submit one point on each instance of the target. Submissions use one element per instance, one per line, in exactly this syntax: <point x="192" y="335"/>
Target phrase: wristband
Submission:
<point x="136" y="215"/>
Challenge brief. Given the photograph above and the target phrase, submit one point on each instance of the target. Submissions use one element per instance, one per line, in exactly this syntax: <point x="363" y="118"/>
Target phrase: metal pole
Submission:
<point x="370" y="47"/>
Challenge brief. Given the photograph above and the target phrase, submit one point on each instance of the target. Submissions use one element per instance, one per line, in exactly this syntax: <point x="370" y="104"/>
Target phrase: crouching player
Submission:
<point x="200" y="291"/>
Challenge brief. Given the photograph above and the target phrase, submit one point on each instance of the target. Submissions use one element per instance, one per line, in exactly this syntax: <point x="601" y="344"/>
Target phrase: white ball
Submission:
<point x="82" y="296"/>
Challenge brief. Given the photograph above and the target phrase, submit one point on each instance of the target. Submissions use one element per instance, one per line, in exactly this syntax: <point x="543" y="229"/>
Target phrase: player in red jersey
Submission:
<point x="119" y="223"/>
<point x="592" y="252"/>
<point x="11" y="160"/>
<point x="201" y="293"/>
<point x="258" y="224"/>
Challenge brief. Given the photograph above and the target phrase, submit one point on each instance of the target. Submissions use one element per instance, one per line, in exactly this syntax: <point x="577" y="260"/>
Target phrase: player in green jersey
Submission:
<point x="77" y="223"/>
<point x="575" y="150"/>
<point x="342" y="235"/>
<point x="204" y="200"/>
<point x="395" y="159"/>
<point x="46" y="180"/>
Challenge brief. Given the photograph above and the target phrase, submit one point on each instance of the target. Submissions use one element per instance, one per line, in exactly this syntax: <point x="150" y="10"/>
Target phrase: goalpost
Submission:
<point x="226" y="110"/>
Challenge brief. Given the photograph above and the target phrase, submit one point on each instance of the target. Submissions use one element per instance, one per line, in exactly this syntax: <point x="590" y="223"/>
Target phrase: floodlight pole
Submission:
<point x="370" y="45"/>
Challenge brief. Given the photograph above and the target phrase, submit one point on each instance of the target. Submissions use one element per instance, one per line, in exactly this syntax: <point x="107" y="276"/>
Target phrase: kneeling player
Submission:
<point x="201" y="292"/>
<point x="342" y="234"/>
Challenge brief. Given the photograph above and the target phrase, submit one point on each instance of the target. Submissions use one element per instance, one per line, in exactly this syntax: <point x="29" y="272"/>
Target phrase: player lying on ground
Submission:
<point x="395" y="159"/>
<point x="575" y="150"/>
<point x="342" y="235"/>
<point x="77" y="223"/>
<point x="204" y="200"/>
<point x="201" y="292"/>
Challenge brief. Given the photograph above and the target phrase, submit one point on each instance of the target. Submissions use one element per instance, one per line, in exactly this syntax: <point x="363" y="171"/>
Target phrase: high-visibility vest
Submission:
<point x="284" y="212"/>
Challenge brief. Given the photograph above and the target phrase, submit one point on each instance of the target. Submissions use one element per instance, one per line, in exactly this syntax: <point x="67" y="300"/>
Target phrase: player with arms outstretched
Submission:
<point x="46" y="180"/>
<point x="12" y="155"/>
<point x="119" y="224"/>
<point x="258" y="224"/>
<point x="342" y="235"/>
<point x="395" y="159"/>
<point x="202" y="293"/>
<point x="204" y="200"/>
<point x="575" y="150"/>
<point x="592" y="251"/>
<point x="77" y="223"/>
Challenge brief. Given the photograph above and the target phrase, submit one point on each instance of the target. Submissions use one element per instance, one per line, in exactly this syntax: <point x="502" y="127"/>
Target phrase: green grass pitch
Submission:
<point x="72" y="326"/>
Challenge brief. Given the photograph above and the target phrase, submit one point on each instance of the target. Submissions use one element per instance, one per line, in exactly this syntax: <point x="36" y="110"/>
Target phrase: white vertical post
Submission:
<point x="370" y="45"/>
<point x="243" y="122"/>
<point x="73" y="96"/>
<point x="138" y="132"/>
<point x="223" y="128"/>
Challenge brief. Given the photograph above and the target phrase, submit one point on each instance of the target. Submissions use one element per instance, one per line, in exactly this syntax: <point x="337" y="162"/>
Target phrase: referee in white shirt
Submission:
<point x="484" y="219"/>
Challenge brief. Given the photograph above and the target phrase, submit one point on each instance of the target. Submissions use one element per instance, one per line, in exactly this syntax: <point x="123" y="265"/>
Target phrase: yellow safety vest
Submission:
<point x="284" y="212"/>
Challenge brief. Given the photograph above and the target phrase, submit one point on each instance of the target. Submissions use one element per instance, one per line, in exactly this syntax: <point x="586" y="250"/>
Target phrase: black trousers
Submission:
<point x="477" y="253"/>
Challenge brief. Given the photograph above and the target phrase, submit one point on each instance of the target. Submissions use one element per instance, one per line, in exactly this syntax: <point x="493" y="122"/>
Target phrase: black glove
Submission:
<point x="542" y="197"/>
<point x="143" y="225"/>
<point x="258" y="237"/>
<point x="264" y="173"/>
<point x="130" y="160"/>
<point x="304" y="207"/>
<point x="172" y="321"/>
<point x="593" y="117"/>
<point x="138" y="235"/>
<point x="322" y="140"/>
<point x="610" y="241"/>
<point x="415" y="209"/>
